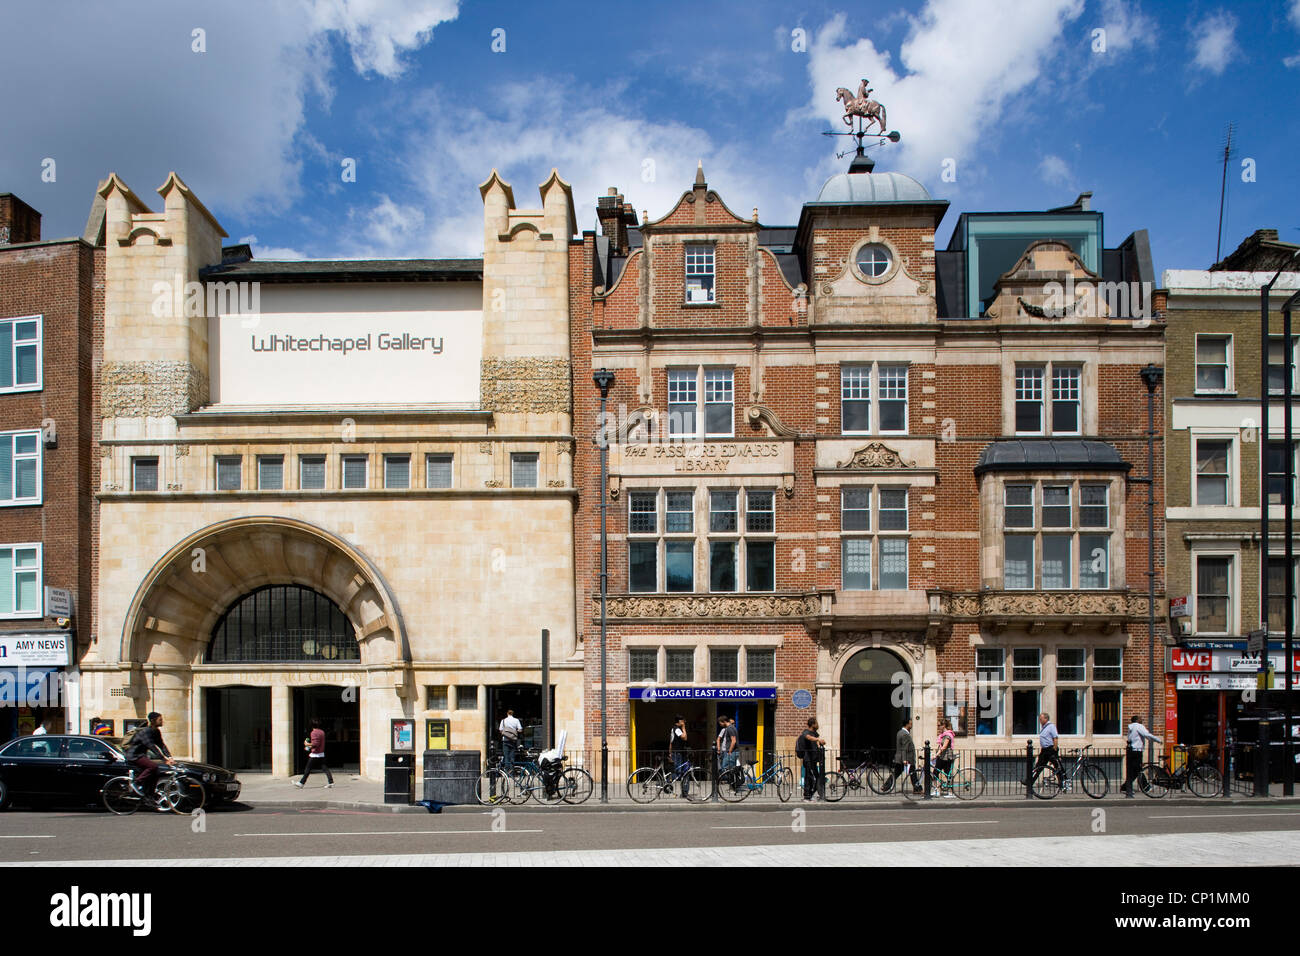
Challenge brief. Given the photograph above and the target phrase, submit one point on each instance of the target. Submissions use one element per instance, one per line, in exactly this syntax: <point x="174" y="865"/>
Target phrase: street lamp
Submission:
<point x="1151" y="377"/>
<point x="603" y="379"/>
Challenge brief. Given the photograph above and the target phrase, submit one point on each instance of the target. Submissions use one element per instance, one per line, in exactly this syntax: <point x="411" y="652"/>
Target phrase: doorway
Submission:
<point x="238" y="722"/>
<point x="526" y="701"/>
<point x="873" y="704"/>
<point x="339" y="712"/>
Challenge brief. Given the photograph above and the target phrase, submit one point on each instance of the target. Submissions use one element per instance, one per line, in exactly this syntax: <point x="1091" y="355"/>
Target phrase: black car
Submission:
<point x="71" y="770"/>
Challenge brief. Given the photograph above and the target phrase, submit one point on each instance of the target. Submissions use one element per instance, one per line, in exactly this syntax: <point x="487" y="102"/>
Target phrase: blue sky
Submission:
<point x="1020" y="99"/>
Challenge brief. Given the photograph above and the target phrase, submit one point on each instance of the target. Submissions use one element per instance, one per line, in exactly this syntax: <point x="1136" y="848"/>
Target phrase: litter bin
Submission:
<point x="399" y="778"/>
<point x="450" y="775"/>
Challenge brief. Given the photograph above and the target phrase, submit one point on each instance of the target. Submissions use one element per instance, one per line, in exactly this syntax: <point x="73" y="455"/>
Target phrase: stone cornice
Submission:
<point x="710" y="607"/>
<point x="1035" y="609"/>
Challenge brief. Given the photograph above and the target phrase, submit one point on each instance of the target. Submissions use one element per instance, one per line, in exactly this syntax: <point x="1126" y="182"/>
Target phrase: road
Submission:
<point x="1142" y="833"/>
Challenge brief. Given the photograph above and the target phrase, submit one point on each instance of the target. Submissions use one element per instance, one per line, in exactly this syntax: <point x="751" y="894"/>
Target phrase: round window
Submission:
<point x="874" y="260"/>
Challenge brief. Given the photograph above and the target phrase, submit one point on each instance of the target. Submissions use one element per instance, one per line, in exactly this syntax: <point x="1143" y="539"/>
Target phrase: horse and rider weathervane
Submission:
<point x="867" y="112"/>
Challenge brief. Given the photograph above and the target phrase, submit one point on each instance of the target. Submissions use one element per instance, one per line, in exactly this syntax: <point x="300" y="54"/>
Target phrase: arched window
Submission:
<point x="283" y="623"/>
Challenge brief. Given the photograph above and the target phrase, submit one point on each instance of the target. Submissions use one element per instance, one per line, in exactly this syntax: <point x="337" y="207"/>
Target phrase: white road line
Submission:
<point x="1214" y="816"/>
<point x="34" y="836"/>
<point x="382" y="833"/>
<point x="831" y="826"/>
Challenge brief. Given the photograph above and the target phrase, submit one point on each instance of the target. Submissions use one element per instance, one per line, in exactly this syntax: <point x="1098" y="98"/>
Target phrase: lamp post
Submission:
<point x="1151" y="376"/>
<point x="603" y="379"/>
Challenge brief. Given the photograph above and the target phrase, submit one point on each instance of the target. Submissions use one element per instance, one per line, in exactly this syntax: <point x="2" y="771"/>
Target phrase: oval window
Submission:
<point x="874" y="260"/>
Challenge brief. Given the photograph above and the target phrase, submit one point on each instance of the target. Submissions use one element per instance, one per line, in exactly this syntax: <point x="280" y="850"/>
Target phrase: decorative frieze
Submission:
<point x="711" y="607"/>
<point x="151" y="389"/>
<point x="532" y="384"/>
<point x="1028" y="605"/>
<point x="876" y="455"/>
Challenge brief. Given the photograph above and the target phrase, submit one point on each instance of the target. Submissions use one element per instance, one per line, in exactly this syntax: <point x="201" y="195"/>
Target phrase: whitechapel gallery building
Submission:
<point x="333" y="489"/>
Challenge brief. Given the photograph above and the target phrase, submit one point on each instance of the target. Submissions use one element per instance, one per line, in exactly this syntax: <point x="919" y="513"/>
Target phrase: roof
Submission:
<point x="873" y="187"/>
<point x="1046" y="454"/>
<point x="349" y="270"/>
<point x="1261" y="251"/>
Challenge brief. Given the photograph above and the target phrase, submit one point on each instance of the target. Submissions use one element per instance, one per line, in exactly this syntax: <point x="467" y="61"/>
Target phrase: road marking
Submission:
<point x="830" y="826"/>
<point x="34" y="836"/>
<point x="1215" y="816"/>
<point x="384" y="833"/>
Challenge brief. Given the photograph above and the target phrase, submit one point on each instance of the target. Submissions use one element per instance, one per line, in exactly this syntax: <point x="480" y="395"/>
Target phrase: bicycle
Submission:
<point x="737" y="783"/>
<point x="647" y="784"/>
<point x="1053" y="778"/>
<point x="552" y="785"/>
<point x="175" y="791"/>
<point x="964" y="784"/>
<point x="1199" y="776"/>
<point x="879" y="778"/>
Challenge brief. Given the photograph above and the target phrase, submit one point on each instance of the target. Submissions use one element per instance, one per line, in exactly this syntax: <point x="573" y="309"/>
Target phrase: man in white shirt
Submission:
<point x="511" y="730"/>
<point x="1137" y="735"/>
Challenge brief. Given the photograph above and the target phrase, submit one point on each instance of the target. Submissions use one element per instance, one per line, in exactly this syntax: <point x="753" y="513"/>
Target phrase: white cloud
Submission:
<point x="379" y="31"/>
<point x="270" y="252"/>
<point x="1295" y="13"/>
<point x="1127" y="26"/>
<point x="1213" y="39"/>
<point x="958" y="68"/>
<point x="1055" y="171"/>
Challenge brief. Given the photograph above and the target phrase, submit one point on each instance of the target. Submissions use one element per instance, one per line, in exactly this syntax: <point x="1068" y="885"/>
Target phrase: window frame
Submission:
<point x="38" y="456"/>
<point x="39" y="550"/>
<point x="392" y="459"/>
<point x="1229" y="386"/>
<point x="730" y="654"/>
<point x="343" y="472"/>
<point x="1232" y="578"/>
<point x="14" y="345"/>
<point x="439" y="458"/>
<point x="1295" y="372"/>
<point x="518" y="458"/>
<point x="1075" y="532"/>
<point x="692" y="270"/>
<point x="645" y="653"/>
<point x="226" y="462"/>
<point x="313" y="459"/>
<point x="869" y="392"/>
<point x="267" y="459"/>
<point x="138" y="460"/>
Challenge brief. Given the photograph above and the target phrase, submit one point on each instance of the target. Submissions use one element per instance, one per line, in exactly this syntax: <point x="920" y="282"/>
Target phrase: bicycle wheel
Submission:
<point x="644" y="785"/>
<point x="696" y="781"/>
<point x="785" y="785"/>
<point x="548" y="794"/>
<point x="836" y="786"/>
<point x="909" y="790"/>
<point x="522" y="784"/>
<point x="1047" y="784"/>
<point x="493" y="788"/>
<point x="120" y="798"/>
<point x="733" y="785"/>
<point x="880" y="779"/>
<point x="1153" y="780"/>
<point x="968" y="784"/>
<point x="1205" y="780"/>
<point x="1094" y="781"/>
<point x="577" y="785"/>
<point x="191" y="794"/>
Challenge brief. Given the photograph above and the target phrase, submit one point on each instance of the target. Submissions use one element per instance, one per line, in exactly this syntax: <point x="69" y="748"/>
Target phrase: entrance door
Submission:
<point x="339" y="712"/>
<point x="526" y="701"/>
<point x="874" y="704"/>
<point x="238" y="721"/>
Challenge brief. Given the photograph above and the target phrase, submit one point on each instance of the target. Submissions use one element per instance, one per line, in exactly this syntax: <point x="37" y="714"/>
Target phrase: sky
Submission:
<point x="362" y="128"/>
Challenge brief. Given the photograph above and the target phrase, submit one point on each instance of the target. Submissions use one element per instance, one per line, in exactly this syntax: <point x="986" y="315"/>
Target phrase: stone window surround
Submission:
<point x="875" y="367"/>
<point x="1214" y="550"/>
<point x="895" y="260"/>
<point x="708" y="642"/>
<point x="875" y="533"/>
<point x="1231" y="436"/>
<point x="1229" y="386"/>
<point x="1048" y="685"/>
<point x="1088" y="363"/>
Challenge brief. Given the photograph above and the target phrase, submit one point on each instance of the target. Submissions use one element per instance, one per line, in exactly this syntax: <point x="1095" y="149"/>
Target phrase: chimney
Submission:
<point x="615" y="216"/>
<point x="19" y="222"/>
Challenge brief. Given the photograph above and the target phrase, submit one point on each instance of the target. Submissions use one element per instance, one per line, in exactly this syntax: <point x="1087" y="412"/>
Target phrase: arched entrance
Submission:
<point x="875" y="700"/>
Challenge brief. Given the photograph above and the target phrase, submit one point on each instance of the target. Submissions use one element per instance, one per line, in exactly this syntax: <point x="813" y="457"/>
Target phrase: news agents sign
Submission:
<point x="701" y="693"/>
<point x="35" y="650"/>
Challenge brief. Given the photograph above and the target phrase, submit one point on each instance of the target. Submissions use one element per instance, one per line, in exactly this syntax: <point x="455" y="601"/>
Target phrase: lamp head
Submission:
<point x="1152" y="374"/>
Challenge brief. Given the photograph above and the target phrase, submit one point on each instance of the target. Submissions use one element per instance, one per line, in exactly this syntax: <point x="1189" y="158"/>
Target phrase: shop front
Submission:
<point x="33" y="688"/>
<point x="654" y="710"/>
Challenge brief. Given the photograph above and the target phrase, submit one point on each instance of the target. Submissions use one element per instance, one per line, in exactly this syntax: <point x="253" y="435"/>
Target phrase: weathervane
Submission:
<point x="867" y="112"/>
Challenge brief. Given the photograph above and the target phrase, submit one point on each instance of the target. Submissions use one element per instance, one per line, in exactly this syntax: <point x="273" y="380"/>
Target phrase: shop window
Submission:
<point x="643" y="664"/>
<point x="20" y="354"/>
<point x="354" y="471"/>
<point x="1214" y="612"/>
<point x="270" y="472"/>
<point x="397" y="471"/>
<point x="437" y="471"/>
<point x="144" y="473"/>
<point x="230" y="473"/>
<point x="466" y="697"/>
<point x="681" y="665"/>
<point x="20" y="468"/>
<point x="699" y="273"/>
<point x="760" y="666"/>
<point x="1213" y="363"/>
<point x="436" y="695"/>
<point x="311" y="472"/>
<point x="724" y="666"/>
<point x="523" y="470"/>
<point x="21" y="592"/>
<point x="1106" y="707"/>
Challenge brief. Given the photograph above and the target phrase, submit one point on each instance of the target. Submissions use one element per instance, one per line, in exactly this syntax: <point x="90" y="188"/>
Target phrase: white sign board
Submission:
<point x="58" y="602"/>
<point x="35" y="650"/>
<point x="341" y="344"/>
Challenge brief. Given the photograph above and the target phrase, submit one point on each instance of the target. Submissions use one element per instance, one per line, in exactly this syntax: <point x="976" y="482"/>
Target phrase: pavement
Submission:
<point x="351" y="792"/>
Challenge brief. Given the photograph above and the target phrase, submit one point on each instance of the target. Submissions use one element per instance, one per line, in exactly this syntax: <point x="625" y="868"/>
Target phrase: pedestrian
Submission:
<point x="314" y="744"/>
<point x="726" y="743"/>
<point x="511" y="730"/>
<point x="144" y="740"/>
<point x="1137" y="734"/>
<point x="1047" y="752"/>
<point x="905" y="756"/>
<point x="810" y="748"/>
<point x="40" y="725"/>
<point x="945" y="757"/>
<point x="99" y="727"/>
<point x="677" y="755"/>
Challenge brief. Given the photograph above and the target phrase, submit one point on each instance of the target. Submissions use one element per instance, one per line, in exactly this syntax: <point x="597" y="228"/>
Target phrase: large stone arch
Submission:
<point x="176" y="606"/>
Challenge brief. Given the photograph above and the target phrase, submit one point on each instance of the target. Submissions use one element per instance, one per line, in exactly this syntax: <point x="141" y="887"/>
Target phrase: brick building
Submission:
<point x="51" y="304"/>
<point x="848" y="473"/>
<point x="1217" y="451"/>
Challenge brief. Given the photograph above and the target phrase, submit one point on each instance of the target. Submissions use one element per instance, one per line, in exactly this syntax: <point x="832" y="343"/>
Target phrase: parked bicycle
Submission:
<point x="1201" y="777"/>
<point x="737" y="783"/>
<point x="175" y="791"/>
<point x="648" y="784"/>
<point x="1056" y="778"/>
<point x="964" y="784"/>
<point x="879" y="778"/>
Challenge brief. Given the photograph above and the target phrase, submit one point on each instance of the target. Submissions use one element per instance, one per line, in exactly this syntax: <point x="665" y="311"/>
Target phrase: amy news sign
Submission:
<point x="35" y="650"/>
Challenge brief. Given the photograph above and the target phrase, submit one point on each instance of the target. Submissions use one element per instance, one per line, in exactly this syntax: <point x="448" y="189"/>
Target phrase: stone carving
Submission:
<point x="492" y="483"/>
<point x="182" y="451"/>
<point x="762" y="415"/>
<point x="876" y="455"/>
<point x="556" y="483"/>
<point x="485" y="448"/>
<point x="151" y="389"/>
<point x="712" y="607"/>
<point x="532" y="384"/>
<point x="1036" y="604"/>
<point x="861" y="105"/>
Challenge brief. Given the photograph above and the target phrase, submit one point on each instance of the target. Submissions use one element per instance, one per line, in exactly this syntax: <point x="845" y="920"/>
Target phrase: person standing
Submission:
<point x="511" y="731"/>
<point x="40" y="726"/>
<point x="946" y="756"/>
<point x="315" y="744"/>
<point x="810" y="748"/>
<point x="1047" y="752"/>
<point x="905" y="756"/>
<point x="677" y="755"/>
<point x="727" y="743"/>
<point x="1137" y="736"/>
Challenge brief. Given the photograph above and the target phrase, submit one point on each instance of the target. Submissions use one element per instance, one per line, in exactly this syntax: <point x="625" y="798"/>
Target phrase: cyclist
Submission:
<point x="143" y="741"/>
<point x="1047" y="752"/>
